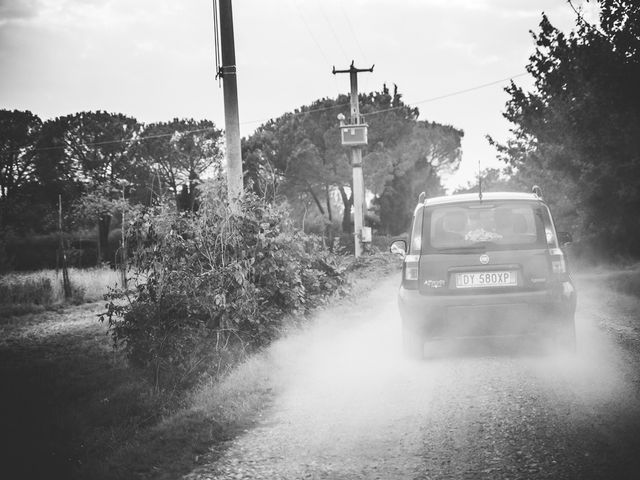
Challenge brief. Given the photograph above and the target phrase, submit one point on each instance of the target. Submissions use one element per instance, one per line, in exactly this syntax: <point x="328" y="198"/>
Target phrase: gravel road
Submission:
<point x="353" y="408"/>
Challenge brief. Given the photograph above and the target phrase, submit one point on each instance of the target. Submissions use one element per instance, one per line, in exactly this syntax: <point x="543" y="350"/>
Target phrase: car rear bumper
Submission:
<point x="513" y="313"/>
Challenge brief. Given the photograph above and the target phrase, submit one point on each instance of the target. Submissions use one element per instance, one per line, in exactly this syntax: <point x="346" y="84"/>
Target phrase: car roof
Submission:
<point x="486" y="196"/>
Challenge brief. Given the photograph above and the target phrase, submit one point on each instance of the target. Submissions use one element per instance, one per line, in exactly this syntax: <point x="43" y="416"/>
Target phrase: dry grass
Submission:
<point x="26" y="292"/>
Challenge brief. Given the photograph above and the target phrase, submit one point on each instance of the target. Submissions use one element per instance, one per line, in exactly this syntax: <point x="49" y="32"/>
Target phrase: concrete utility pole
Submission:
<point x="231" y="117"/>
<point x="354" y="134"/>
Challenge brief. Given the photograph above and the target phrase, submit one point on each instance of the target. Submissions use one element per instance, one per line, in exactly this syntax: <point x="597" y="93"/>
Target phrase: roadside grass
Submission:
<point x="213" y="414"/>
<point x="68" y="398"/>
<point x="81" y="411"/>
<point x="22" y="293"/>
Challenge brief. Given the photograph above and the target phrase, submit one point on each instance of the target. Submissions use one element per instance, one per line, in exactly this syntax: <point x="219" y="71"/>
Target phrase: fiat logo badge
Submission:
<point x="484" y="259"/>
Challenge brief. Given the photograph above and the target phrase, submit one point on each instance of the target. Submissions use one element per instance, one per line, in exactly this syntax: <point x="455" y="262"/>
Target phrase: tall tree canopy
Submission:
<point x="578" y="127"/>
<point x="299" y="156"/>
<point x="180" y="152"/>
<point x="18" y="133"/>
<point x="98" y="162"/>
<point x="87" y="155"/>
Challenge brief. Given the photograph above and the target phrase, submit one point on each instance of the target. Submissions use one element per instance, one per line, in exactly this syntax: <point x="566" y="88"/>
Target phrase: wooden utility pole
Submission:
<point x="123" y="251"/>
<point x="354" y="135"/>
<point x="66" y="283"/>
<point x="231" y="117"/>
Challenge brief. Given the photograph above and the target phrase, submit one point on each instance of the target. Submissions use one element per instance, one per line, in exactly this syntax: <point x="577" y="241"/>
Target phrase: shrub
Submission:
<point x="216" y="278"/>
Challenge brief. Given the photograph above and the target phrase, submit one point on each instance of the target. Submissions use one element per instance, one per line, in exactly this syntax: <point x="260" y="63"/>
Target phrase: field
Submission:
<point x="31" y="292"/>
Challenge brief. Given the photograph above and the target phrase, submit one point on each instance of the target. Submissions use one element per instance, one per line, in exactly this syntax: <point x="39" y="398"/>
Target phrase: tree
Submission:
<point x="99" y="144"/>
<point x="580" y="122"/>
<point x="86" y="155"/>
<point x="493" y="180"/>
<point x="299" y="155"/>
<point x="180" y="152"/>
<point x="18" y="132"/>
<point x="417" y="163"/>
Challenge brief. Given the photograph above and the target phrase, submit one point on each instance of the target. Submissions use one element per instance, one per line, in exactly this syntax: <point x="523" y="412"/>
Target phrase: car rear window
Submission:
<point x="491" y="226"/>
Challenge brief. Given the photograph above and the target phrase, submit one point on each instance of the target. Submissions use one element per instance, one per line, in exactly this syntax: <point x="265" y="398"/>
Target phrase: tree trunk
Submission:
<point x="329" y="212"/>
<point x="316" y="200"/>
<point x="347" y="226"/>
<point x="103" y="238"/>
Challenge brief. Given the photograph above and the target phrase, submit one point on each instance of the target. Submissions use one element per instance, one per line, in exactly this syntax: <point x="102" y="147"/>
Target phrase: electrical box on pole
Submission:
<point x="354" y="135"/>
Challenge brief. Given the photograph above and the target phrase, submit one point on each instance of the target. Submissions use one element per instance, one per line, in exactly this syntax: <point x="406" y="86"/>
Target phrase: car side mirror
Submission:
<point x="565" y="238"/>
<point x="399" y="247"/>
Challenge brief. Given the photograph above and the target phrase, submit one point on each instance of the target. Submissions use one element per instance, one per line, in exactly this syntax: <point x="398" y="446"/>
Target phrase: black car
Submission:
<point x="484" y="265"/>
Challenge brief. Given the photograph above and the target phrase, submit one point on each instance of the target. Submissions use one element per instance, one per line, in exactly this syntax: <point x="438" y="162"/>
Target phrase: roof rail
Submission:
<point x="421" y="197"/>
<point x="537" y="191"/>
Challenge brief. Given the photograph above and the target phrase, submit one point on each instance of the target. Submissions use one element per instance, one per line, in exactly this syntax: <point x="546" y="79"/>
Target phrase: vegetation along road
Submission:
<point x="352" y="407"/>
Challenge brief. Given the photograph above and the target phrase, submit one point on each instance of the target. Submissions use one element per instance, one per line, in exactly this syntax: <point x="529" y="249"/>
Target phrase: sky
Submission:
<point x="154" y="59"/>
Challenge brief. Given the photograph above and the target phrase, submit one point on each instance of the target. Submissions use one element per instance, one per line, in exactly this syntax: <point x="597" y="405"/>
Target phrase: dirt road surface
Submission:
<point x="352" y="407"/>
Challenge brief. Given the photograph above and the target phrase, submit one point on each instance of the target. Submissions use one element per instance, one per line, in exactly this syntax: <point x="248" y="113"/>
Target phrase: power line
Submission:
<point x="346" y="17"/>
<point x="304" y="21"/>
<point x="295" y="114"/>
<point x="582" y="20"/>
<point x="333" y="32"/>
<point x="357" y="42"/>
<point x="123" y="140"/>
<point x="216" y="40"/>
<point x="432" y="99"/>
<point x="452" y="94"/>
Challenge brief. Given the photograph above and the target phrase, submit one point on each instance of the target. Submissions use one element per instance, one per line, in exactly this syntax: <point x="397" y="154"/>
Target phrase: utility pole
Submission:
<point x="66" y="283"/>
<point x="123" y="252"/>
<point x="354" y="135"/>
<point x="231" y="117"/>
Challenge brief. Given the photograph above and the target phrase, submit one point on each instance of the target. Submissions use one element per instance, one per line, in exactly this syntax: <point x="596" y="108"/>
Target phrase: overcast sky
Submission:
<point x="153" y="59"/>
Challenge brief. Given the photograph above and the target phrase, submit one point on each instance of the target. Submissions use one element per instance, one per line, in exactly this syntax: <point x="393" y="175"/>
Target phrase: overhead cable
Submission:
<point x="295" y="114"/>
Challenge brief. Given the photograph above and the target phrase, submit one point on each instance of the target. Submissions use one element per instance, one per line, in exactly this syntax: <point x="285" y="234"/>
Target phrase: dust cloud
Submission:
<point x="353" y="407"/>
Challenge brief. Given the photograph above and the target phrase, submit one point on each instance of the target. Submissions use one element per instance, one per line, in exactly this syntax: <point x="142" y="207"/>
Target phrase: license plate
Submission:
<point x="486" y="279"/>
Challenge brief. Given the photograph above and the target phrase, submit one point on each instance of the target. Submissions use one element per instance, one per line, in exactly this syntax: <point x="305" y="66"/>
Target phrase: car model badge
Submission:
<point x="434" y="283"/>
<point x="484" y="259"/>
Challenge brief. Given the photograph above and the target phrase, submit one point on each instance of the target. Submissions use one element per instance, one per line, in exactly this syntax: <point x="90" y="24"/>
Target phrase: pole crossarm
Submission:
<point x="353" y="69"/>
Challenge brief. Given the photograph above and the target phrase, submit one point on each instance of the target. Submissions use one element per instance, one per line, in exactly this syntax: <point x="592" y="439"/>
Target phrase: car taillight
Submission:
<point x="410" y="272"/>
<point x="558" y="264"/>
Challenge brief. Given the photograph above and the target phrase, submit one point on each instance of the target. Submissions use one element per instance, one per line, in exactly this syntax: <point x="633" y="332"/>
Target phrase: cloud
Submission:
<point x="11" y="10"/>
<point x="471" y="52"/>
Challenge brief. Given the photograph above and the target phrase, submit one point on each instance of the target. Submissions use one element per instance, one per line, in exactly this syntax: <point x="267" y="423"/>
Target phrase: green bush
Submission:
<point x="214" y="279"/>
